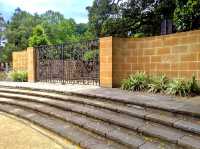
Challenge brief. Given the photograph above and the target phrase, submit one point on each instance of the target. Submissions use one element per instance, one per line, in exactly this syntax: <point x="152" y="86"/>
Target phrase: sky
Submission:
<point x="69" y="8"/>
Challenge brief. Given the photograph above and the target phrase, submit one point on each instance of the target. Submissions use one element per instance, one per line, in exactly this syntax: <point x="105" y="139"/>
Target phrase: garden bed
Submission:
<point x="161" y="84"/>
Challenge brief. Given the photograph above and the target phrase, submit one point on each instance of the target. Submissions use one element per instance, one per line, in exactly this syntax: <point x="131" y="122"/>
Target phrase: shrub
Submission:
<point x="19" y="76"/>
<point x="158" y="84"/>
<point x="136" y="82"/>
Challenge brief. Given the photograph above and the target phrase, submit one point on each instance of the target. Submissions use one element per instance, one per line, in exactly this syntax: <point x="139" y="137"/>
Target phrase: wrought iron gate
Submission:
<point x="74" y="63"/>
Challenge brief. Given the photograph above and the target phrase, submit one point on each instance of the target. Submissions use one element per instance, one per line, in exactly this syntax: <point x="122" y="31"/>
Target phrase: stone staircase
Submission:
<point x="102" y="123"/>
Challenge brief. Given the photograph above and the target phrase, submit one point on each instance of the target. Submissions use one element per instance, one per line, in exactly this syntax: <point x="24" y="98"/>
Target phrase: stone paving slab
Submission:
<point x="189" y="106"/>
<point x="189" y="143"/>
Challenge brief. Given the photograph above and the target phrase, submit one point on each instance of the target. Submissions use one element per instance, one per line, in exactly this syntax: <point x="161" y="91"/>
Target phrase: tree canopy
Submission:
<point x="25" y="29"/>
<point x="122" y="18"/>
<point x="38" y="38"/>
<point x="129" y="17"/>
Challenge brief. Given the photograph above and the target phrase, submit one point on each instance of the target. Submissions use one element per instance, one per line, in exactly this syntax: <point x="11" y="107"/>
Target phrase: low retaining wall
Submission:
<point x="176" y="55"/>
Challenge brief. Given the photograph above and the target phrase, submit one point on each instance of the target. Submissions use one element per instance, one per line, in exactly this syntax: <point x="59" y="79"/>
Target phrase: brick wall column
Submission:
<point x="31" y="60"/>
<point x="106" y="62"/>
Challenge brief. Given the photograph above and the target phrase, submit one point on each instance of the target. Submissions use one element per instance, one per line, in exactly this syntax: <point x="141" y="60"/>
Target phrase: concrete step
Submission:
<point x="66" y="130"/>
<point x="178" y="121"/>
<point x="139" y="125"/>
<point x="112" y="132"/>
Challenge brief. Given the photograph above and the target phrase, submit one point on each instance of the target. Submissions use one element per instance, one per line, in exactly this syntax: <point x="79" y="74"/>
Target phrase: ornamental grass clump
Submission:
<point x="136" y="82"/>
<point x="193" y="86"/>
<point x="161" y="84"/>
<point x="178" y="87"/>
<point x="158" y="84"/>
<point x="183" y="88"/>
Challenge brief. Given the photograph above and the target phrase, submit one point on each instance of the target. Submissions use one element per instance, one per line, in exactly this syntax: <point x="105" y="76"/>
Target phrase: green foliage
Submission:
<point x="38" y="38"/>
<point x="99" y="15"/>
<point x="3" y="76"/>
<point x="19" y="76"/>
<point x="183" y="88"/>
<point x="161" y="84"/>
<point x="126" y="18"/>
<point x="136" y="82"/>
<point x="19" y="29"/>
<point x="55" y="29"/>
<point x="6" y="53"/>
<point x="187" y="14"/>
<point x="178" y="87"/>
<point x="90" y="55"/>
<point x="139" y="35"/>
<point x="194" y="86"/>
<point x="158" y="84"/>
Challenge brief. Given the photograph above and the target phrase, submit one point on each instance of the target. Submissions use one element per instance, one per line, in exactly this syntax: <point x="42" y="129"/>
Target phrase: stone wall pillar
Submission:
<point x="31" y="61"/>
<point x="106" y="62"/>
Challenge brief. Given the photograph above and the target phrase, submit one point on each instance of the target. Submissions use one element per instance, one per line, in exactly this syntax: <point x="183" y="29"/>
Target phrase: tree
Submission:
<point x="2" y="25"/>
<point x="23" y="31"/>
<point x="6" y="53"/>
<point x="2" y="28"/>
<point x="187" y="14"/>
<point x="100" y="12"/>
<point x="83" y="32"/>
<point x="52" y="17"/>
<point x="38" y="38"/>
<point x="127" y="17"/>
<point x="19" y="30"/>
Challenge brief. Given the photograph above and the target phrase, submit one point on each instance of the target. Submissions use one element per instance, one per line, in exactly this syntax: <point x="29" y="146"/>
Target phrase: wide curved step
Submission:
<point x="166" y="118"/>
<point x="176" y="120"/>
<point x="119" y="134"/>
<point x="66" y="130"/>
<point x="128" y="118"/>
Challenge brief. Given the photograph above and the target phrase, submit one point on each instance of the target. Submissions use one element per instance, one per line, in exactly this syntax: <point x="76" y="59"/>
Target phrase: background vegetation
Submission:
<point x="129" y="17"/>
<point x="122" y="18"/>
<point x="25" y="29"/>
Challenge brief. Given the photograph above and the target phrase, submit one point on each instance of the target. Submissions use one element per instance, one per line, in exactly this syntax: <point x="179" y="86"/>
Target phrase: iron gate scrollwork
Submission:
<point x="75" y="63"/>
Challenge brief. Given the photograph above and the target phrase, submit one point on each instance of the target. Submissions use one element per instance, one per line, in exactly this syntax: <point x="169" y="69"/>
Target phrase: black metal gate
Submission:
<point x="74" y="63"/>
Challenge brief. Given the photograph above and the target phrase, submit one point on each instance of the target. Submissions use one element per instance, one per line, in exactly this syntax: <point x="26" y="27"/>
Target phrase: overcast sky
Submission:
<point x="70" y="8"/>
